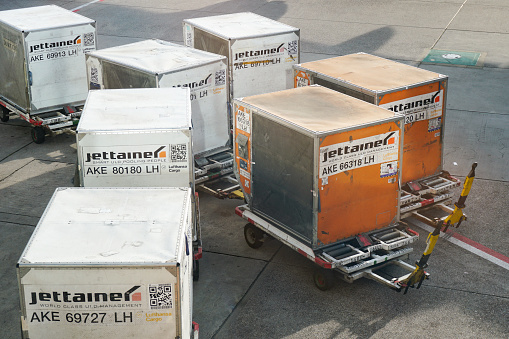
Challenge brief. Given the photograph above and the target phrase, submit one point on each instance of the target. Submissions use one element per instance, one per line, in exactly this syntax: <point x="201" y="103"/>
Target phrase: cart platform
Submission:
<point x="352" y="258"/>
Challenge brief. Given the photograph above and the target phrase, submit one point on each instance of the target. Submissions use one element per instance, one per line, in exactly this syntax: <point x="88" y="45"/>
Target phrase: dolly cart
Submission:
<point x="353" y="258"/>
<point x="53" y="123"/>
<point x="214" y="174"/>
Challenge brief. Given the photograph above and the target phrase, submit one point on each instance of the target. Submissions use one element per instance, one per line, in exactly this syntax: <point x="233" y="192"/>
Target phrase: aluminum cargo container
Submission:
<point x="136" y="137"/>
<point x="321" y="165"/>
<point x="109" y="263"/>
<point x="260" y="51"/>
<point x="156" y="63"/>
<point x="42" y="57"/>
<point x="417" y="93"/>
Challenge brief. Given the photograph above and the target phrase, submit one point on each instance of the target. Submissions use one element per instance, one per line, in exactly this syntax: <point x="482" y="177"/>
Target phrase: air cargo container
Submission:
<point x="320" y="171"/>
<point x="109" y="263"/>
<point x="156" y="63"/>
<point x="136" y="137"/>
<point x="260" y="51"/>
<point x="322" y="165"/>
<point x="417" y="93"/>
<point x="42" y="63"/>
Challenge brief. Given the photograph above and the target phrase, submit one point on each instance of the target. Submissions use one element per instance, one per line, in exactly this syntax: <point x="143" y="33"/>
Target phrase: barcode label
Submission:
<point x="94" y="75"/>
<point x="293" y="47"/>
<point x="220" y="77"/>
<point x="189" y="39"/>
<point x="178" y="152"/>
<point x="160" y="296"/>
<point x="89" y="39"/>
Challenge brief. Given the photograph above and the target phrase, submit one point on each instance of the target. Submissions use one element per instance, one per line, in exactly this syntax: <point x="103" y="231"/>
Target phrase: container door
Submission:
<point x="56" y="65"/>
<point x="423" y="108"/>
<point x="136" y="159"/>
<point x="13" y="83"/>
<point x="207" y="84"/>
<point x="359" y="185"/>
<point x="100" y="303"/>
<point x="263" y="65"/>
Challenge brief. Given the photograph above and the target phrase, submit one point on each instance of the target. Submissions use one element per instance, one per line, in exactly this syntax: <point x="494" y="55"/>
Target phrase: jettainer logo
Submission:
<point x="41" y="47"/>
<point x="158" y="153"/>
<point x="85" y="297"/>
<point x="259" y="52"/>
<point x="420" y="107"/>
<point x="358" y="153"/>
<point x="195" y="85"/>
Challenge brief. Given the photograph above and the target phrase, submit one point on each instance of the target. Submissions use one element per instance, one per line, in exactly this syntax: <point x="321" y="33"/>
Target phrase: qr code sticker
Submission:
<point x="94" y="75"/>
<point x="89" y="39"/>
<point x="160" y="296"/>
<point x="293" y="47"/>
<point x="220" y="77"/>
<point x="178" y="152"/>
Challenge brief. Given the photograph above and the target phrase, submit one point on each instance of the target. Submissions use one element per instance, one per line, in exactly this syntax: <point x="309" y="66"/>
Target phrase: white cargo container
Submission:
<point x="260" y="51"/>
<point x="42" y="58"/>
<point x="136" y="137"/>
<point x="156" y="63"/>
<point x="109" y="263"/>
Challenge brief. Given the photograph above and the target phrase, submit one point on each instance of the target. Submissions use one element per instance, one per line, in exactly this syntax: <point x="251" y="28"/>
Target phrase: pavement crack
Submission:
<point x="236" y="256"/>
<point x="16" y="151"/>
<point x="466" y="291"/>
<point x="17" y="170"/>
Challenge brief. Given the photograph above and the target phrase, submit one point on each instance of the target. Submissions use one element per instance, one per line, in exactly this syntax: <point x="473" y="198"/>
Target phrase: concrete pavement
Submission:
<point x="269" y="292"/>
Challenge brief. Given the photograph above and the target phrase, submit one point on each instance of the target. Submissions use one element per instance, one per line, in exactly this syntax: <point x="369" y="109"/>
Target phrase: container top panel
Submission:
<point x="110" y="226"/>
<point x="371" y="72"/>
<point x="41" y="18"/>
<point x="319" y="109"/>
<point x="157" y="56"/>
<point x="136" y="109"/>
<point x="241" y="25"/>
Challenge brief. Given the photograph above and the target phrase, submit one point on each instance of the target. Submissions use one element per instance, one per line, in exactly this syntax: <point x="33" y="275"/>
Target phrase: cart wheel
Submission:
<point x="196" y="270"/>
<point x="253" y="236"/>
<point x="38" y="135"/>
<point x="324" y="278"/>
<point x="5" y="114"/>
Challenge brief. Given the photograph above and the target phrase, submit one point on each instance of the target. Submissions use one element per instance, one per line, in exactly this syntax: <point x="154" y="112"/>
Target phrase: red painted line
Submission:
<point x="478" y="246"/>
<point x="469" y="245"/>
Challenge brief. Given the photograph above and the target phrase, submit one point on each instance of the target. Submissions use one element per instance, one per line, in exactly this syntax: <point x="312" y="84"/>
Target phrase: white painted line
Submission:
<point x="470" y="245"/>
<point x="85" y="5"/>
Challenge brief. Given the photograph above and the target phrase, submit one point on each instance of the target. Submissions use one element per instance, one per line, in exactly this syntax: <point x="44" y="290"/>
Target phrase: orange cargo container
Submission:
<point x="320" y="165"/>
<point x="417" y="93"/>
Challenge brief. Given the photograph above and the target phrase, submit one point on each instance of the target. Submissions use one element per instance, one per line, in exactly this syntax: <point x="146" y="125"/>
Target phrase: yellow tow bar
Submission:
<point x="454" y="219"/>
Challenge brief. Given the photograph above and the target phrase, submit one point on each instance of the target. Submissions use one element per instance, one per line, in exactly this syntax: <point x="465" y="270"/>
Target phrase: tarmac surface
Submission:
<point x="269" y="292"/>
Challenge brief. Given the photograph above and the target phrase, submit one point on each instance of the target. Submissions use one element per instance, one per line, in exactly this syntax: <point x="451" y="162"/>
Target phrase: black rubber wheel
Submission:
<point x="5" y="114"/>
<point x="253" y="236"/>
<point x="38" y="134"/>
<point x="323" y="278"/>
<point x="196" y="270"/>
